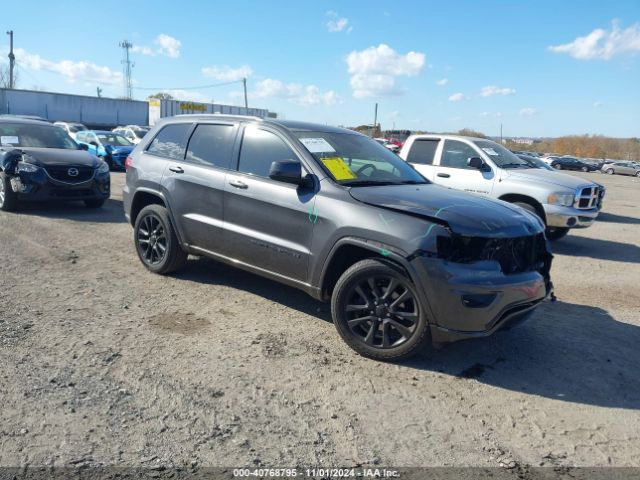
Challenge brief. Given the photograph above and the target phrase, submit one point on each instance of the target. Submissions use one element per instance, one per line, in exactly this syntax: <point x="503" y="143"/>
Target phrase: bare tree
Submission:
<point x="4" y="76"/>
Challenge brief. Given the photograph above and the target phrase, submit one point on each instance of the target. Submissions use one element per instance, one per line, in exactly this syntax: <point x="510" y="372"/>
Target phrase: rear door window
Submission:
<point x="211" y="145"/>
<point x="170" y="142"/>
<point x="423" y="151"/>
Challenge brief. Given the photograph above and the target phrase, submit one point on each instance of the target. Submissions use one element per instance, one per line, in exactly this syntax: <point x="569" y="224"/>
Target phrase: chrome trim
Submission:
<point x="593" y="196"/>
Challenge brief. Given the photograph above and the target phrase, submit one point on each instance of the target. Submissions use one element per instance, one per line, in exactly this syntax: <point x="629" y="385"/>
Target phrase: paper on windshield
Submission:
<point x="338" y="168"/>
<point x="9" y="140"/>
<point x="317" y="145"/>
<point x="491" y="151"/>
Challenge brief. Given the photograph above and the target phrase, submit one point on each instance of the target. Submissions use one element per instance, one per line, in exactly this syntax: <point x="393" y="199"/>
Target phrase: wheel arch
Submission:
<point x="516" y="197"/>
<point x="143" y="198"/>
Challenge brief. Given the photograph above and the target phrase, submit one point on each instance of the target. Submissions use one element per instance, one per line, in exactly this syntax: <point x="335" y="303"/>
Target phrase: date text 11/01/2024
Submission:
<point x="317" y="472"/>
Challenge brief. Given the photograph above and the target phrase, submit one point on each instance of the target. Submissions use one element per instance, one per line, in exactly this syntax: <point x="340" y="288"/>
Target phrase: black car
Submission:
<point x="40" y="162"/>
<point x="572" y="163"/>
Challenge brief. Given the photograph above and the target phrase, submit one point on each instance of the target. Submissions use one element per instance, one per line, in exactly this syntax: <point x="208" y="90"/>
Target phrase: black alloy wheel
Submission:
<point x="156" y="242"/>
<point x="377" y="312"/>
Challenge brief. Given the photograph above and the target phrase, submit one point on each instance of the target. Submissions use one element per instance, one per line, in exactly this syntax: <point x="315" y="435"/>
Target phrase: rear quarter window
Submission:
<point x="423" y="151"/>
<point x="171" y="141"/>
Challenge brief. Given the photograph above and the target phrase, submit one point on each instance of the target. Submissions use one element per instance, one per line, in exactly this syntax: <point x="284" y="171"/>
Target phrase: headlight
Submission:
<point x="103" y="167"/>
<point x="561" y="198"/>
<point x="27" y="167"/>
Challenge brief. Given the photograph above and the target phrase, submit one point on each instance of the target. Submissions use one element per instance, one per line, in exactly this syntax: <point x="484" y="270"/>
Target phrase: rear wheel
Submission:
<point x="156" y="241"/>
<point x="585" y="169"/>
<point x="377" y="311"/>
<point x="638" y="173"/>
<point x="610" y="171"/>
<point x="8" y="199"/>
<point x="557" y="166"/>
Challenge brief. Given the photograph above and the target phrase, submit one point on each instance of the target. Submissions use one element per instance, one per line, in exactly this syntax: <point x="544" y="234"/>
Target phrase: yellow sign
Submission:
<point x="154" y="102"/>
<point x="193" y="106"/>
<point x="338" y="168"/>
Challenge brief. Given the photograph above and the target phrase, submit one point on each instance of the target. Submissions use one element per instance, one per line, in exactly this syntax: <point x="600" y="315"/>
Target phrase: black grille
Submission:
<point x="515" y="255"/>
<point x="71" y="193"/>
<point x="61" y="173"/>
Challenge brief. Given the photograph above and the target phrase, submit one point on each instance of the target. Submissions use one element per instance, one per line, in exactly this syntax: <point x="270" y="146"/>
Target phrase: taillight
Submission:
<point x="128" y="162"/>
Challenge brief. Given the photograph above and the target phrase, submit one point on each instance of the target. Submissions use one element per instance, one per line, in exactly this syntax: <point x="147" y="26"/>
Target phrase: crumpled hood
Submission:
<point x="60" y="156"/>
<point x="547" y="176"/>
<point x="464" y="213"/>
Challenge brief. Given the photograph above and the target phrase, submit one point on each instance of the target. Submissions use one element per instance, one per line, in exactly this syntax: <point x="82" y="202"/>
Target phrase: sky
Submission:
<point x="538" y="68"/>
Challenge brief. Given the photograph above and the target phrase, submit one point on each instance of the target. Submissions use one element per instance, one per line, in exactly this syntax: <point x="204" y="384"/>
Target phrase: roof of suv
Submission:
<point x="25" y="120"/>
<point x="290" y="124"/>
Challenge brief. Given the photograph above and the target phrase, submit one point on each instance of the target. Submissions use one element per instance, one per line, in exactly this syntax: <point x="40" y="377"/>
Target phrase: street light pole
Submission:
<point x="12" y="59"/>
<point x="244" y="84"/>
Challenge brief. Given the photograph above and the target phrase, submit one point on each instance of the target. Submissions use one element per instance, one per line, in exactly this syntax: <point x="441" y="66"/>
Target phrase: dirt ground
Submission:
<point x="103" y="363"/>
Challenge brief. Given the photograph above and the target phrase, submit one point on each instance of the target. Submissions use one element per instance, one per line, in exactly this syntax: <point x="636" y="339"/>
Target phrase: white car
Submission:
<point x="383" y="141"/>
<point x="133" y="133"/>
<point x="71" y="128"/>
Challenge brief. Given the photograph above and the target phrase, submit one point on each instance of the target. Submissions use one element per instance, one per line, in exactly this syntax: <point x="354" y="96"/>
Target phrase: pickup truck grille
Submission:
<point x="589" y="197"/>
<point x="515" y="255"/>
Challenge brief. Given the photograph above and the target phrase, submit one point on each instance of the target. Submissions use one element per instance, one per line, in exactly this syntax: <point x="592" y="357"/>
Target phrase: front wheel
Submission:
<point x="638" y="173"/>
<point x="610" y="171"/>
<point x="556" y="233"/>
<point x="156" y="241"/>
<point x="585" y="169"/>
<point x="557" y="166"/>
<point x="8" y="200"/>
<point x="377" y="311"/>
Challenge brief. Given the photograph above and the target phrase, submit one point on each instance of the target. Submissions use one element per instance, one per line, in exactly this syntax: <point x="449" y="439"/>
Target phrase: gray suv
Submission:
<point x="404" y="262"/>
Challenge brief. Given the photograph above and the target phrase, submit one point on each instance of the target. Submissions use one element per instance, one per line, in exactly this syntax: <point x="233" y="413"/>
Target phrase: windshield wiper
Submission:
<point x="377" y="183"/>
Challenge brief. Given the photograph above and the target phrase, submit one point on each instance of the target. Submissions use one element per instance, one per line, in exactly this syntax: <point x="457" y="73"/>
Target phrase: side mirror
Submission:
<point x="477" y="163"/>
<point x="288" y="171"/>
<point x="83" y="146"/>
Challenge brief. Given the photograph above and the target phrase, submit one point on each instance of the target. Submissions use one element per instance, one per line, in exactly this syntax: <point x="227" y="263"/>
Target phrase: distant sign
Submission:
<point x="193" y="106"/>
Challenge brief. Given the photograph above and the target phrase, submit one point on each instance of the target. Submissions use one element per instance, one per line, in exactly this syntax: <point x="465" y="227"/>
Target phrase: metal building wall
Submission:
<point x="92" y="111"/>
<point x="168" y="108"/>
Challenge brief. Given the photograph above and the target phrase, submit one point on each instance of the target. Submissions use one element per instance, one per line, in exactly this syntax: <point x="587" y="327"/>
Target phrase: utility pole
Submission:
<point x="244" y="84"/>
<point x="12" y="59"/>
<point x="127" y="66"/>
<point x="501" y="141"/>
<point x="99" y="92"/>
<point x="375" y="120"/>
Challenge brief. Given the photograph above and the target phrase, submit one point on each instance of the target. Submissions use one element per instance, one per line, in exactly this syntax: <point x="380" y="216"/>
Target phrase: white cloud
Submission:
<point x="337" y="23"/>
<point x="226" y="73"/>
<point x="603" y="44"/>
<point x="490" y="90"/>
<point x="528" y="112"/>
<point x="491" y="114"/>
<point x="72" y="71"/>
<point x="442" y="82"/>
<point x="597" y="104"/>
<point x="304" y="95"/>
<point x="457" y="97"/>
<point x="166" y="45"/>
<point x="374" y="70"/>
<point x="189" y="95"/>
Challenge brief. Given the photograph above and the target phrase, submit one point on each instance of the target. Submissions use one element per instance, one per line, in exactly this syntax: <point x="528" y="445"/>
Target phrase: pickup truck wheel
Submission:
<point x="8" y="200"/>
<point x="156" y="241"/>
<point x="555" y="233"/>
<point x="377" y="311"/>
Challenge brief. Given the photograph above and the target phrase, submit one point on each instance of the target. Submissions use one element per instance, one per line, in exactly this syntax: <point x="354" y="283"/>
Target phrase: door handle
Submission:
<point x="176" y="169"/>
<point x="238" y="184"/>
<point x="444" y="175"/>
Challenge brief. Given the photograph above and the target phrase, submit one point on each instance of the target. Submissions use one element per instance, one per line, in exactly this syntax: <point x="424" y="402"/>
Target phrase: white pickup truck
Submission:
<point x="483" y="167"/>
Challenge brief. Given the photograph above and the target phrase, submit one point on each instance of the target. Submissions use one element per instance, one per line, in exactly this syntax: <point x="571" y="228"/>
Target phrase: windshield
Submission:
<point x="38" y="136"/>
<point x="140" y="133"/>
<point x="502" y="157"/>
<point x="113" y="139"/>
<point x="352" y="159"/>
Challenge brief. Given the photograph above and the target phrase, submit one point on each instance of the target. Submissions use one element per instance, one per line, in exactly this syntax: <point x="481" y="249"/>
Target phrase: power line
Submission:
<point x="200" y="87"/>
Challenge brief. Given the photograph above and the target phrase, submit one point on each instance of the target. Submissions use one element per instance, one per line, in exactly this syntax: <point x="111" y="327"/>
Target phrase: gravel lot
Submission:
<point x="102" y="363"/>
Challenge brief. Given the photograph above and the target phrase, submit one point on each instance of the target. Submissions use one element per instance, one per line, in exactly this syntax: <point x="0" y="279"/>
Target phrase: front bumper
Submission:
<point x="476" y="299"/>
<point x="39" y="187"/>
<point x="569" y="217"/>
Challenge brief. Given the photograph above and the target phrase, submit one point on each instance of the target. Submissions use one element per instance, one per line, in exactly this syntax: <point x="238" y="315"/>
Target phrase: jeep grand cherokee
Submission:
<point x="334" y="213"/>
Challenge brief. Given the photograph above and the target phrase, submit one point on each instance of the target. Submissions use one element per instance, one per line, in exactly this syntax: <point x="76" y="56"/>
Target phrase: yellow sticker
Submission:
<point x="338" y="168"/>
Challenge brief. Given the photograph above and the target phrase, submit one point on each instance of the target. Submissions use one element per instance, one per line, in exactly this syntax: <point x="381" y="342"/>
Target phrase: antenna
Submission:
<point x="127" y="65"/>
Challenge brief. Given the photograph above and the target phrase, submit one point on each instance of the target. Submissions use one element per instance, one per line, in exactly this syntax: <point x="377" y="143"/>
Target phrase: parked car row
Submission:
<point x="621" y="168"/>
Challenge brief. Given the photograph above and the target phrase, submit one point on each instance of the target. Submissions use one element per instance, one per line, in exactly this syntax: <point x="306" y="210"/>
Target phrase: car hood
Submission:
<point x="60" y="156"/>
<point x="540" y="175"/>
<point x="463" y="213"/>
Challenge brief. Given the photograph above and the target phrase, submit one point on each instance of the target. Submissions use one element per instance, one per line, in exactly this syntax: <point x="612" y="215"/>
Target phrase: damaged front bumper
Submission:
<point x="39" y="186"/>
<point x="474" y="298"/>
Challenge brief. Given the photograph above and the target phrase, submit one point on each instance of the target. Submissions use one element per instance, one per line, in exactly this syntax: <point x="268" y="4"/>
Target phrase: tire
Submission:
<point x="153" y="231"/>
<point x="95" y="203"/>
<point x="8" y="198"/>
<point x="638" y="174"/>
<point x="529" y="208"/>
<point x="555" y="233"/>
<point x="405" y="324"/>
<point x="557" y="166"/>
<point x="610" y="171"/>
<point x="585" y="169"/>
